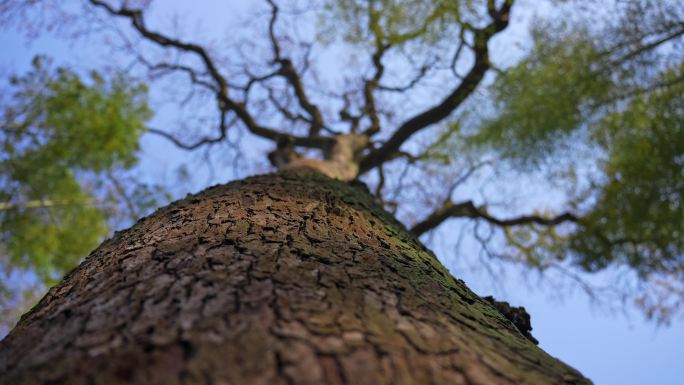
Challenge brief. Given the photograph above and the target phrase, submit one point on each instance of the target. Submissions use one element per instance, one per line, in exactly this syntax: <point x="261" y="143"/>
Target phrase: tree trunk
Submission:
<point x="288" y="278"/>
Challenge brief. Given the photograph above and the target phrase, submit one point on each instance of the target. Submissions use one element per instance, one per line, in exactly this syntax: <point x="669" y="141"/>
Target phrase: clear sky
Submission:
<point x="609" y="349"/>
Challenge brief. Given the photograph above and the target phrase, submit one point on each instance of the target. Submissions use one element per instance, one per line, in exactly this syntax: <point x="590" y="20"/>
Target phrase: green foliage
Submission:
<point x="51" y="240"/>
<point x="639" y="217"/>
<point x="64" y="120"/>
<point x="546" y="97"/>
<point x="60" y="135"/>
<point x="394" y="22"/>
<point x="615" y="93"/>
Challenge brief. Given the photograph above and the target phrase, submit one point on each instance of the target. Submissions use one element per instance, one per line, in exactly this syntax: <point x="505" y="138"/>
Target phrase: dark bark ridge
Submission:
<point x="288" y="278"/>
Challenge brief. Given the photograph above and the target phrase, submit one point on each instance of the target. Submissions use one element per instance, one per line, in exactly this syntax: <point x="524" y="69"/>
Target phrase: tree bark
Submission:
<point x="288" y="278"/>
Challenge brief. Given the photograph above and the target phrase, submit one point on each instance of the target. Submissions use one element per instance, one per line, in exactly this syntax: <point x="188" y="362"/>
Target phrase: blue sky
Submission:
<point x="609" y="349"/>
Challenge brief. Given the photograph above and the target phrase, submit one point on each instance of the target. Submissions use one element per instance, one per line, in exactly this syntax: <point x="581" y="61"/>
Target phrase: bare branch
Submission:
<point x="371" y="84"/>
<point x="421" y="74"/>
<point x="223" y="130"/>
<point x="381" y="183"/>
<point x="645" y="48"/>
<point x="46" y="203"/>
<point x="466" y="175"/>
<point x="347" y="116"/>
<point x="120" y="190"/>
<point x="457" y="53"/>
<point x="288" y="71"/>
<point x="284" y="111"/>
<point x="225" y="103"/>
<point x="468" y="209"/>
<point x="452" y="101"/>
<point x="410" y="158"/>
<point x="195" y="78"/>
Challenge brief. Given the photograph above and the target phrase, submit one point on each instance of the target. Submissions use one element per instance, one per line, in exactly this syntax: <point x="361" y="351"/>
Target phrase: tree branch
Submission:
<point x="452" y="101"/>
<point x="347" y="116"/>
<point x="288" y="71"/>
<point x="647" y="47"/>
<point x="421" y="74"/>
<point x="46" y="203"/>
<point x="223" y="130"/>
<point x="467" y="209"/>
<point x="194" y="76"/>
<point x="225" y="103"/>
<point x="292" y="117"/>
<point x="371" y="84"/>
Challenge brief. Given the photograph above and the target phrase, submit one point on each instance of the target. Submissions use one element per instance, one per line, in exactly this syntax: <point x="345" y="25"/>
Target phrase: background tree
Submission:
<point x="593" y="105"/>
<point x="65" y="144"/>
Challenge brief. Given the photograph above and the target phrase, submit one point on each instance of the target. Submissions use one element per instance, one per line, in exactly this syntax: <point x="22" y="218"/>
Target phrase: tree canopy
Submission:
<point x="63" y="141"/>
<point x="457" y="102"/>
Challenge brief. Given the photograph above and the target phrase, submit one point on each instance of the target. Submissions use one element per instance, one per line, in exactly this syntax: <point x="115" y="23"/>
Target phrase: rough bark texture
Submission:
<point x="286" y="278"/>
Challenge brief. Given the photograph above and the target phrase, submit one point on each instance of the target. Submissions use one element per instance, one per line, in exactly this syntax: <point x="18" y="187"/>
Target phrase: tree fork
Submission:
<point x="287" y="278"/>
